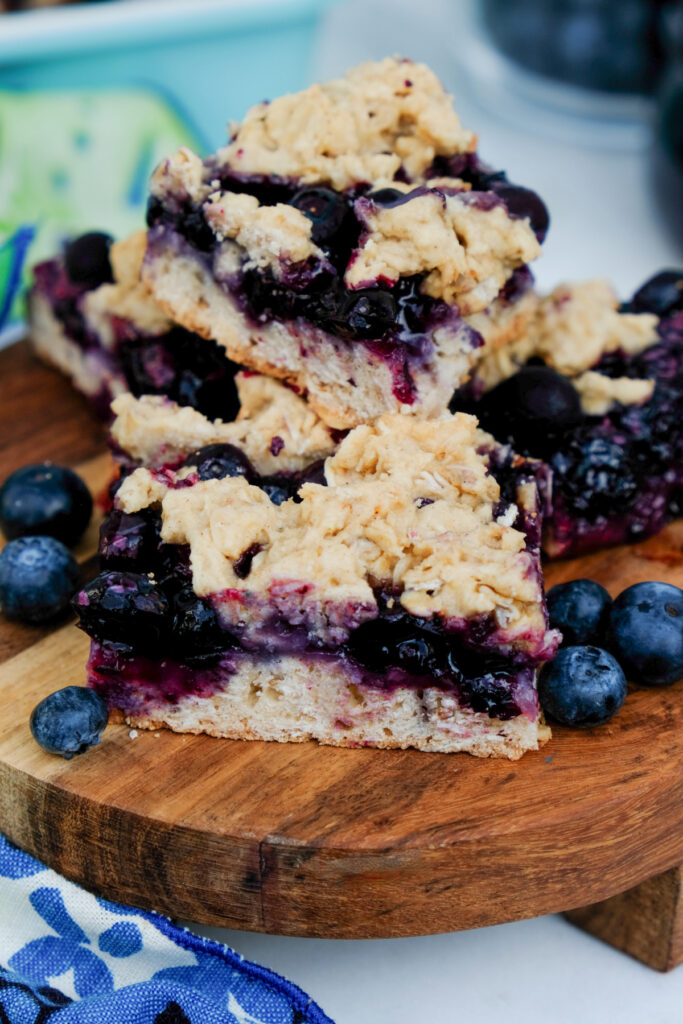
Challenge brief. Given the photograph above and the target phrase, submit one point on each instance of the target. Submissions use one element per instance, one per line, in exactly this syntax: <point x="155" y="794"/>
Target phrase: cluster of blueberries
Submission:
<point x="637" y="637"/>
<point x="44" y="508"/>
<point x="602" y="465"/>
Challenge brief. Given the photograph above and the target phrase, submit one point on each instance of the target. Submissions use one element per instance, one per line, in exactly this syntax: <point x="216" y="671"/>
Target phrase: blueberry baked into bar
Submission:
<point x="390" y="596"/>
<point x="342" y="240"/>
<point x="596" y="391"/>
<point x="93" y="318"/>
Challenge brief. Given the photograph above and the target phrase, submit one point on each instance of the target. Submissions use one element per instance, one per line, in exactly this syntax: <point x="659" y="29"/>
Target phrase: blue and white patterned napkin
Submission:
<point x="68" y="957"/>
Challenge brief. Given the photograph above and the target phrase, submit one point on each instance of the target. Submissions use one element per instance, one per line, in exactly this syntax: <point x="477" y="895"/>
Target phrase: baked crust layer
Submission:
<point x="287" y="699"/>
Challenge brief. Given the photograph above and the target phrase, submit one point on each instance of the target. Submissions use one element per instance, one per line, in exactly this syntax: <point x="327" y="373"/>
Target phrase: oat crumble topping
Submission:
<point x="450" y="556"/>
<point x="360" y="128"/>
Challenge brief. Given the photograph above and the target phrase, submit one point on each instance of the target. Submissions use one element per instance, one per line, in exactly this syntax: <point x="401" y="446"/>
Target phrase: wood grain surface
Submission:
<point x="308" y="840"/>
<point x="646" y="922"/>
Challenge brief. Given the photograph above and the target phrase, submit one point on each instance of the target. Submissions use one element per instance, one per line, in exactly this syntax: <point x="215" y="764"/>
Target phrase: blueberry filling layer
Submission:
<point x="616" y="477"/>
<point x="392" y="313"/>
<point x="63" y="283"/>
<point x="137" y="683"/>
<point x="185" y="369"/>
<point x="137" y="620"/>
<point x="142" y="608"/>
<point x="175" y="364"/>
<point x="398" y="315"/>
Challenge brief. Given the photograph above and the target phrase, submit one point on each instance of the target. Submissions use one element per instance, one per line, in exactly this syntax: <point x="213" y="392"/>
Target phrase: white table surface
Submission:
<point x="604" y="223"/>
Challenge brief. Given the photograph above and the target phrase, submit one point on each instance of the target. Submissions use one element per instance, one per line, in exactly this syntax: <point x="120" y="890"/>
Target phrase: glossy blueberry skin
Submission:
<point x="661" y="294"/>
<point x="415" y="655"/>
<point x="385" y="196"/>
<point x="529" y="404"/>
<point x="580" y="610"/>
<point x="86" y="259"/>
<point x="278" y="489"/>
<point x="370" y="313"/>
<point x="44" y="499"/>
<point x="69" y="721"/>
<point x="646" y="633"/>
<point x="327" y="211"/>
<point x="125" y="607"/>
<point x="584" y="686"/>
<point x="38" y="578"/>
<point x="216" y="461"/>
<point x="197" y="635"/>
<point x="128" y="540"/>
<point x="523" y="202"/>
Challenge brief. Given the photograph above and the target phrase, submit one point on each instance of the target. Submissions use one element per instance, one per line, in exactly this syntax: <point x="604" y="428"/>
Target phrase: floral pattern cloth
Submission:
<point x="68" y="957"/>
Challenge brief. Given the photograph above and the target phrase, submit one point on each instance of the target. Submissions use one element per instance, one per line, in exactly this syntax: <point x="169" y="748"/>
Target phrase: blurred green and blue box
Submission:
<point x="92" y="96"/>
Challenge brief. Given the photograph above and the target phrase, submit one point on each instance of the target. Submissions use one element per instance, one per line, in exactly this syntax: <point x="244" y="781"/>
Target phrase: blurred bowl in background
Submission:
<point x="667" y="155"/>
<point x="611" y="46"/>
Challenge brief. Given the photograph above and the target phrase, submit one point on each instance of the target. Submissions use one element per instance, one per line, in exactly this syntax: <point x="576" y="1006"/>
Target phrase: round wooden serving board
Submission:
<point x="308" y="840"/>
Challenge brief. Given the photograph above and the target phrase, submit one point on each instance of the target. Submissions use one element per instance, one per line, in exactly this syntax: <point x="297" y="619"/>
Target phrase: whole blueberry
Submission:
<point x="370" y="313"/>
<point x="69" y="721"/>
<point x="196" y="229"/>
<point x="197" y="634"/>
<point x="529" y="404"/>
<point x="523" y="202"/>
<point x="125" y="607"/>
<point x="216" y="461"/>
<point x="385" y="196"/>
<point x="38" y="578"/>
<point x="491" y="694"/>
<point x="86" y="259"/>
<point x="45" y="499"/>
<point x="646" y="633"/>
<point x="374" y="644"/>
<point x="583" y="686"/>
<point x="580" y="610"/>
<point x="415" y="655"/>
<point x="662" y="294"/>
<point x="595" y="473"/>
<point x="127" y="539"/>
<point x="278" y="489"/>
<point x="327" y="211"/>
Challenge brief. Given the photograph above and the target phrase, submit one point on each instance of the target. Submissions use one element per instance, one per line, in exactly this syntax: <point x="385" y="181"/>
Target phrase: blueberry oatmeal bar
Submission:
<point x="342" y="241"/>
<point x="392" y="598"/>
<point x="93" y="318"/>
<point x="595" y="390"/>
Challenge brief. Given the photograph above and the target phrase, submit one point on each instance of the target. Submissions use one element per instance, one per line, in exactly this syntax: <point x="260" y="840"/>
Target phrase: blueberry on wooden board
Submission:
<point x="580" y="610"/>
<point x="38" y="578"/>
<point x="45" y="499"/>
<point x="646" y="633"/>
<point x="69" y="721"/>
<point x="584" y="686"/>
